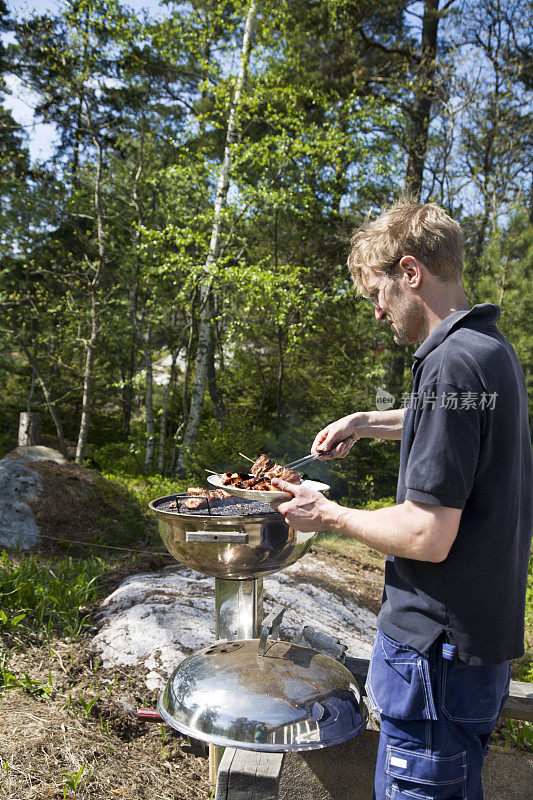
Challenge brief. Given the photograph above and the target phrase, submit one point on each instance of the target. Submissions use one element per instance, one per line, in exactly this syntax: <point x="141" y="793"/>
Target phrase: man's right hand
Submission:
<point x="337" y="439"/>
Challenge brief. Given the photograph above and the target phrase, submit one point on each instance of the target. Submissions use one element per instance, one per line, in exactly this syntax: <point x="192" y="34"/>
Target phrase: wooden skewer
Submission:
<point x="247" y="458"/>
<point x="212" y="471"/>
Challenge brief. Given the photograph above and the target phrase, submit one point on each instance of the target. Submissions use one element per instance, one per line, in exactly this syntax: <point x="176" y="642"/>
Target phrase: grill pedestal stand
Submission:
<point x="238" y="615"/>
<point x="238" y="609"/>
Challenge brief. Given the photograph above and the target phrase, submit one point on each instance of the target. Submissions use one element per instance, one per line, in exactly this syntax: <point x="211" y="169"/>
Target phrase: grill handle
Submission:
<point x="271" y="625"/>
<point x="329" y="645"/>
<point x="229" y="537"/>
<point x="149" y="715"/>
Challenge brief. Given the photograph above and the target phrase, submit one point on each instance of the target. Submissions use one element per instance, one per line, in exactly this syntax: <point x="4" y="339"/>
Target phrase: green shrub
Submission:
<point x="516" y="734"/>
<point x="117" y="457"/>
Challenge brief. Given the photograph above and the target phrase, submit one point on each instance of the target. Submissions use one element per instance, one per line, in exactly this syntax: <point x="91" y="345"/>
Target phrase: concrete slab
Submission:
<point x="346" y="772"/>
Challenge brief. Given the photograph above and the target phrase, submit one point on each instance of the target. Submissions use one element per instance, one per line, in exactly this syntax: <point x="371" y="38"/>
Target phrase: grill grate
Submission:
<point x="217" y="507"/>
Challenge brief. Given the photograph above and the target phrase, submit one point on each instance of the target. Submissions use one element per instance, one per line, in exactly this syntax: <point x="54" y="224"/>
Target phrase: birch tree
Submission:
<point x="206" y="291"/>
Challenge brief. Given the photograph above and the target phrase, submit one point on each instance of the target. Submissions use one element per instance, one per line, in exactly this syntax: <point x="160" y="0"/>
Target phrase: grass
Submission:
<point x="145" y="488"/>
<point x="342" y="545"/>
<point x="45" y="597"/>
<point x="38" y="599"/>
<point x="529" y="610"/>
<point x="516" y="733"/>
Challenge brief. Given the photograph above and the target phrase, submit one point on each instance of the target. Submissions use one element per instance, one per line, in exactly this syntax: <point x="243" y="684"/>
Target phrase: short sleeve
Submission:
<point x="447" y="426"/>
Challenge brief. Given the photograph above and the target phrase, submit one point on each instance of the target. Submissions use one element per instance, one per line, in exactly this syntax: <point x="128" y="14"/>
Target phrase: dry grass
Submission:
<point x="81" y="739"/>
<point x="351" y="548"/>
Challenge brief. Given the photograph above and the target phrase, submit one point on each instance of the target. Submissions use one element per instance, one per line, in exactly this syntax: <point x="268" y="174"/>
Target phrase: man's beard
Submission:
<point x="409" y="325"/>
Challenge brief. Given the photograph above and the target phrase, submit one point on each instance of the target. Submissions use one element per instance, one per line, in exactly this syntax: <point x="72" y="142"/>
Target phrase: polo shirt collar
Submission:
<point x="486" y="314"/>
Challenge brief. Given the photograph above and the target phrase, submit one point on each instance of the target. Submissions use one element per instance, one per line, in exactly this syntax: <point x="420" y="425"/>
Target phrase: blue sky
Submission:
<point x="26" y="6"/>
<point x="20" y="101"/>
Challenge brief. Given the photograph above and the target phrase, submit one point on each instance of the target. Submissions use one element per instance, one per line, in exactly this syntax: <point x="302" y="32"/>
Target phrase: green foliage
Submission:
<point x="529" y="607"/>
<point x="322" y="140"/>
<point x="517" y="734"/>
<point x="72" y="780"/>
<point x="119" y="457"/>
<point x="46" y="598"/>
<point x="10" y="680"/>
<point x="87" y="703"/>
<point x="148" y="487"/>
<point x="525" y="670"/>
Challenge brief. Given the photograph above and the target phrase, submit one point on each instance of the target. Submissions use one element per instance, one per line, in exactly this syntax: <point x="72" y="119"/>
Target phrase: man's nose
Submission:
<point x="379" y="313"/>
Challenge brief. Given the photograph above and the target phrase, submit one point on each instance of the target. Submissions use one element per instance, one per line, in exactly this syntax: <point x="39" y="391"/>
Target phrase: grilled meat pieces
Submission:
<point x="264" y="467"/>
<point x="263" y="470"/>
<point x="199" y="497"/>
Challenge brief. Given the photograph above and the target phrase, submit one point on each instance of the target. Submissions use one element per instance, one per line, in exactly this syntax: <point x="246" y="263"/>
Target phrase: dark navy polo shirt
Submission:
<point x="466" y="444"/>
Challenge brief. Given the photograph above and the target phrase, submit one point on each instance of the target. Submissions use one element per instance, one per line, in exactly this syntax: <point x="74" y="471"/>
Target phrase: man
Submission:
<point x="459" y="537"/>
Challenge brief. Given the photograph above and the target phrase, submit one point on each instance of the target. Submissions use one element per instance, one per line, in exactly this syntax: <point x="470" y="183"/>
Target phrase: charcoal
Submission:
<point x="225" y="507"/>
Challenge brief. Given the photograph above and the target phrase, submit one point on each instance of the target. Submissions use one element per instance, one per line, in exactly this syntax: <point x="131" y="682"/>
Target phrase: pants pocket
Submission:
<point x="474" y="693"/>
<point x="399" y="683"/>
<point x="425" y="776"/>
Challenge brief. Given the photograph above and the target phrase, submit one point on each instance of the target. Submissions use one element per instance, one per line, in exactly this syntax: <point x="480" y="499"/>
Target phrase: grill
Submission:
<point x="229" y="539"/>
<point x="249" y="689"/>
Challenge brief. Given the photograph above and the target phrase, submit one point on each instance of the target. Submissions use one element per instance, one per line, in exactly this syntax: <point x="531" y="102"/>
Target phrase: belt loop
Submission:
<point x="449" y="651"/>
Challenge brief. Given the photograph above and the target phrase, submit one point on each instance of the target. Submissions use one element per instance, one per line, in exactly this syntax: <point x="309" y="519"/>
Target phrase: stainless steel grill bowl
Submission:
<point x="233" y="539"/>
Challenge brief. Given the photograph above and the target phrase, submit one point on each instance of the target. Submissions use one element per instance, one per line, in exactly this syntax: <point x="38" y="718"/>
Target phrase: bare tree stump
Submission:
<point x="29" y="429"/>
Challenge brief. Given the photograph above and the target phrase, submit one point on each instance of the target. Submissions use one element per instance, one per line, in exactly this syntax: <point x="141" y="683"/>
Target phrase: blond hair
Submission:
<point x="408" y="228"/>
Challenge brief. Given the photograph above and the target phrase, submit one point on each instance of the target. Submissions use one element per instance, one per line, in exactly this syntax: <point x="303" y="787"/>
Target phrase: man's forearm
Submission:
<point x="408" y="530"/>
<point x="379" y="424"/>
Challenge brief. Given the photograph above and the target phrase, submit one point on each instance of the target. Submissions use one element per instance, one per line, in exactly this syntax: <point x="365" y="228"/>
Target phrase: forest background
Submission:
<point x="173" y="280"/>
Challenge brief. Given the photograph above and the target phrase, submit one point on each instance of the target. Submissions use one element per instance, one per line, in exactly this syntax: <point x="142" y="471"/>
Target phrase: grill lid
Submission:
<point x="263" y="695"/>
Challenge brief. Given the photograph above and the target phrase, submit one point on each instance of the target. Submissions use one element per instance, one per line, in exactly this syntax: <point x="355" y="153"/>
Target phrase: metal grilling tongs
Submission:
<point x="306" y="459"/>
<point x="301" y="461"/>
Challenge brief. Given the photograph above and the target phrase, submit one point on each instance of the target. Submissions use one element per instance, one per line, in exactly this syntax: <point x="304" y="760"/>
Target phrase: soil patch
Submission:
<point x="78" y="504"/>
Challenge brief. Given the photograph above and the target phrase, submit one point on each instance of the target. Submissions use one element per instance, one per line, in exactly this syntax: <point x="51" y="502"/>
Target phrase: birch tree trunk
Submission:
<point x="204" y="330"/>
<point x="178" y="436"/>
<point x="214" y="392"/>
<point x="90" y="345"/>
<point x="95" y="311"/>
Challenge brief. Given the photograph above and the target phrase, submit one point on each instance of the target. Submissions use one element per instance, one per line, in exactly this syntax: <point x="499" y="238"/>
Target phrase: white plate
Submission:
<point x="263" y="497"/>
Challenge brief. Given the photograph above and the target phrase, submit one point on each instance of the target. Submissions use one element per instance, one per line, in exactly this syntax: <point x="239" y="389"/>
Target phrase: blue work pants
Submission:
<point x="436" y="718"/>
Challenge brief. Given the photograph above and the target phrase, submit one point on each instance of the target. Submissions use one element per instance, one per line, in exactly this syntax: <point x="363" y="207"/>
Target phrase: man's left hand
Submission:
<point x="308" y="511"/>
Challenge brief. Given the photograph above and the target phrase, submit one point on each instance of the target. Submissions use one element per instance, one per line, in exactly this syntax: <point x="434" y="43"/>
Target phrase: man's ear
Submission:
<point x="411" y="270"/>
